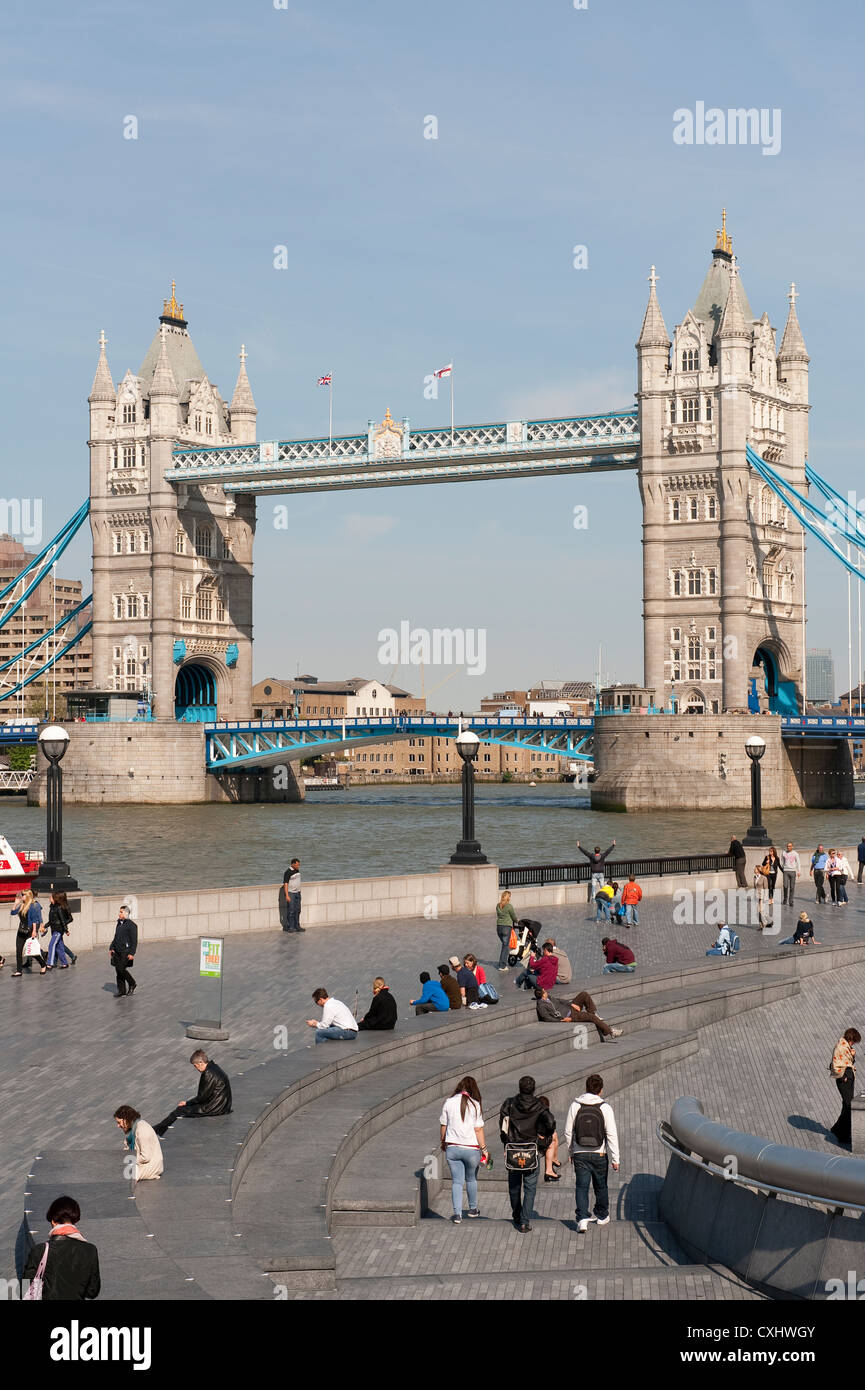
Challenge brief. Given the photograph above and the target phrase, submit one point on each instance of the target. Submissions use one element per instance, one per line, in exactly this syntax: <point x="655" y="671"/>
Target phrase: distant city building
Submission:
<point x="548" y="697"/>
<point x="32" y="621"/>
<point x="820" y="670"/>
<point x="307" y="697"/>
<point x="852" y="701"/>
<point x="625" y="697"/>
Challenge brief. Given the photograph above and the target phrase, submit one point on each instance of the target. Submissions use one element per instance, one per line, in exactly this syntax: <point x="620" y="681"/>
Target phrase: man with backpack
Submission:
<point x="526" y="1127"/>
<point x="593" y="1144"/>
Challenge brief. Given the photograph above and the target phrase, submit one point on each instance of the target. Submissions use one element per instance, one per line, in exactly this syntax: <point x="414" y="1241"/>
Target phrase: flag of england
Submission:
<point x="444" y="371"/>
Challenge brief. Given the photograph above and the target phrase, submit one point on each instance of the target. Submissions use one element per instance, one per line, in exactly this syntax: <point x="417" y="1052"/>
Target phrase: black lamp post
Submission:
<point x="468" y="851"/>
<point x="755" y="747"/>
<point x="53" y="876"/>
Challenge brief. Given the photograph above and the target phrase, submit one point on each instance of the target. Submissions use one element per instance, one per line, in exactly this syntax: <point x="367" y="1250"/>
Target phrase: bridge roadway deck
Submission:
<point x="79" y="1053"/>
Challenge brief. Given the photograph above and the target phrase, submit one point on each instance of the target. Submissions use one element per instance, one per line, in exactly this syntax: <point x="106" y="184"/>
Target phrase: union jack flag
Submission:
<point x="324" y="380"/>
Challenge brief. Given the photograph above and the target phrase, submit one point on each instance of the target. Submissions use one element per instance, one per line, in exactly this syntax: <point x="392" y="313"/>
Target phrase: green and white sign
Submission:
<point x="211" y="957"/>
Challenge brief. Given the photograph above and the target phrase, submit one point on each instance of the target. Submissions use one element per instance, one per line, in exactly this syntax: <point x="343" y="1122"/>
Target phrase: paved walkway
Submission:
<point x="765" y="1071"/>
<point x="74" y="1052"/>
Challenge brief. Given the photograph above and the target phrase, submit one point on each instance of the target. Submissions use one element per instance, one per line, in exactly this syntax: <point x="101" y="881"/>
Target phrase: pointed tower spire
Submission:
<point x="242" y="411"/>
<point x="103" y="387"/>
<point x="164" y="382"/>
<point x="242" y="401"/>
<point x="733" y="321"/>
<point x="793" y="344"/>
<point x="654" y="331"/>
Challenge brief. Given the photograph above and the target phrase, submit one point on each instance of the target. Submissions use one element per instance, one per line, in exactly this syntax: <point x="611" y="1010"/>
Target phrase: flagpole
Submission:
<point x="452" y="405"/>
<point x="330" y="418"/>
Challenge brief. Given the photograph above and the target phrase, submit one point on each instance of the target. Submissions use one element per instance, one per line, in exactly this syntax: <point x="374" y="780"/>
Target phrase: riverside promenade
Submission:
<point x="79" y="1053"/>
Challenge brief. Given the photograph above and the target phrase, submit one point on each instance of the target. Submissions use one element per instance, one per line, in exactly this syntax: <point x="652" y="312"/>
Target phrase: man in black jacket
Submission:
<point x="72" y="1268"/>
<point x="122" y="950"/>
<point x="213" y="1097"/>
<point x="524" y="1119"/>
<point x="737" y="850"/>
<point x="381" y="1015"/>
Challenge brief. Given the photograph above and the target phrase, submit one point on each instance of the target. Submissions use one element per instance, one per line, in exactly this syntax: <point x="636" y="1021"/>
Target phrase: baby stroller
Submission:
<point x="526" y="932"/>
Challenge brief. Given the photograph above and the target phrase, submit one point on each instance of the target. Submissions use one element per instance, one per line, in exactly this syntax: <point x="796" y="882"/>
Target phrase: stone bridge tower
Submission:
<point x="172" y="566"/>
<point x="723" y="560"/>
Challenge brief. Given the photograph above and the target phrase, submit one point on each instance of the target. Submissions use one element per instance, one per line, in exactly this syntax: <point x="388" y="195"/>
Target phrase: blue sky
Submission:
<point x="304" y="127"/>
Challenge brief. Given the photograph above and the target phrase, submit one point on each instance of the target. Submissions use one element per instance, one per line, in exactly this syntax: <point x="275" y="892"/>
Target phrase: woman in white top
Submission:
<point x="462" y="1142"/>
<point x="837" y="871"/>
<point x="142" y="1141"/>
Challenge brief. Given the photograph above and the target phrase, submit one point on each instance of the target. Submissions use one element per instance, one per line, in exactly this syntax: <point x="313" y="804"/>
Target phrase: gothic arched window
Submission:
<point x="128" y="414"/>
<point x="203" y="541"/>
<point x="690" y="360"/>
<point x="767" y="506"/>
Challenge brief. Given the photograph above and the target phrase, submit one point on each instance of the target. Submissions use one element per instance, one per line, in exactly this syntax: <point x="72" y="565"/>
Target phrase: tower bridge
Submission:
<point x="718" y="440"/>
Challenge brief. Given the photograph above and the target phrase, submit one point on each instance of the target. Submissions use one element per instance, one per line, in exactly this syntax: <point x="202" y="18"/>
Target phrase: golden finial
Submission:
<point x="387" y="422"/>
<point x="170" y="307"/>
<point x="723" y="240"/>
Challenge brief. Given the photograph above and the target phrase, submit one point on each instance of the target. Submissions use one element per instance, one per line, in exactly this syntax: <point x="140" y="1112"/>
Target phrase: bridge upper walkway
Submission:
<point x="515" y="448"/>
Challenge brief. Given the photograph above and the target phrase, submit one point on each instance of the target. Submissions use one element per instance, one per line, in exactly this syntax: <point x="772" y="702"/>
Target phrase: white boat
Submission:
<point x="16" y="870"/>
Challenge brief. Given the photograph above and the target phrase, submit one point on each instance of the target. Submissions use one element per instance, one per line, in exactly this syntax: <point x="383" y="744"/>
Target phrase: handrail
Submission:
<point x="669" y="1140"/>
<point x="534" y="875"/>
<point x="833" y="1179"/>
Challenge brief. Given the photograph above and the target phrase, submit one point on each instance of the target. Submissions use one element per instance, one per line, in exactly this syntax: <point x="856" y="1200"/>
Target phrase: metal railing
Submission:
<point x="834" y="1180"/>
<point x="669" y="1140"/>
<point x="16" y="781"/>
<point x="534" y="875"/>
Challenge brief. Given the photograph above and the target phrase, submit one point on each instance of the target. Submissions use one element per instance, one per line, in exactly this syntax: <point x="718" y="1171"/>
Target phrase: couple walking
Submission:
<point x="528" y="1130"/>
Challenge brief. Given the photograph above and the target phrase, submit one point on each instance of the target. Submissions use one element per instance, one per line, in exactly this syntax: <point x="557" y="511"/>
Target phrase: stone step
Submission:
<point x="649" y="1283"/>
<point x="408" y="1151"/>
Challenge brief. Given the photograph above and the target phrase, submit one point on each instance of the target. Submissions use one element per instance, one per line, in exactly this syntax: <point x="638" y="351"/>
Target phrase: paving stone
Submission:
<point x="84" y="1053"/>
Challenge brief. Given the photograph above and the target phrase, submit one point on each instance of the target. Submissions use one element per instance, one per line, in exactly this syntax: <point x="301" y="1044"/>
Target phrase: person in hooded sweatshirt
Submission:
<point x="524" y="1119"/>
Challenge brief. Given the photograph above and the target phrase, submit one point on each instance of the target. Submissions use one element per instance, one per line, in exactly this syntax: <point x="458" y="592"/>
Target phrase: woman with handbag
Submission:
<point x="843" y="1069"/>
<point x="771" y="868"/>
<point x="463" y="1144"/>
<point x="506" y="921"/>
<point x="65" y="1268"/>
<point x="27" y="948"/>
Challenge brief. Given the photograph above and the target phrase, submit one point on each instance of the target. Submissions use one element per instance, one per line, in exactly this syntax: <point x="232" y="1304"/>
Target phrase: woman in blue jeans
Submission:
<point x="463" y="1144"/>
<point x="506" y="920"/>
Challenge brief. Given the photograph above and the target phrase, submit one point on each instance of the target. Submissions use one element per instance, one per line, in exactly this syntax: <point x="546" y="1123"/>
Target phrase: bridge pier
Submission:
<point x="682" y="762"/>
<point x="257" y="784"/>
<point x="157" y="763"/>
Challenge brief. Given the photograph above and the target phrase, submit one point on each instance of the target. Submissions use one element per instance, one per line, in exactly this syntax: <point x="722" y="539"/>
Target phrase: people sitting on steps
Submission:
<point x="432" y="997"/>
<point x="803" y="935"/>
<point x="580" y="1010"/>
<point x="542" y="970"/>
<point x="213" y="1096"/>
<point x="450" y="987"/>
<point x="337" y="1022"/>
<point x="381" y="1015"/>
<point x="617" y="956"/>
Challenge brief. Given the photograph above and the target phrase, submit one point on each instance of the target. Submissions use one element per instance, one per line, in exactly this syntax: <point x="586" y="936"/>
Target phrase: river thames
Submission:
<point x="365" y="831"/>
